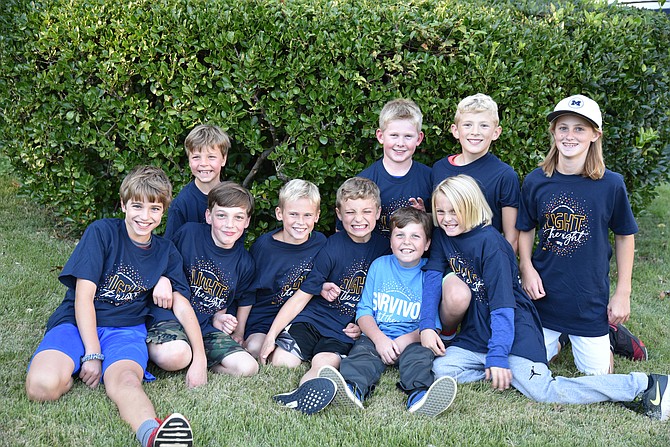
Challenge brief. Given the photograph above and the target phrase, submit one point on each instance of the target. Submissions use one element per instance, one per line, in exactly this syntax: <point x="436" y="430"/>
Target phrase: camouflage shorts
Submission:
<point x="218" y="345"/>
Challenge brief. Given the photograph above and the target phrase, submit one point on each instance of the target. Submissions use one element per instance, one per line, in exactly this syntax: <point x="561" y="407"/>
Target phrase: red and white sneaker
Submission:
<point x="174" y="431"/>
<point x="625" y="344"/>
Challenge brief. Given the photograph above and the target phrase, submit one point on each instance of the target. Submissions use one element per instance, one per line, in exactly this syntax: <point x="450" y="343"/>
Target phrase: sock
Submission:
<point x="144" y="432"/>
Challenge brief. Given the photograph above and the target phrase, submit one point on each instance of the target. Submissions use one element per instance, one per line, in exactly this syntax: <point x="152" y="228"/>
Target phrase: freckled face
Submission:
<point x="409" y="243"/>
<point x="574" y="135"/>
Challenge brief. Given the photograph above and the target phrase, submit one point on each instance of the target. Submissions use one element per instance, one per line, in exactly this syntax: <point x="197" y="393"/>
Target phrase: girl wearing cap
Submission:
<point x="573" y="201"/>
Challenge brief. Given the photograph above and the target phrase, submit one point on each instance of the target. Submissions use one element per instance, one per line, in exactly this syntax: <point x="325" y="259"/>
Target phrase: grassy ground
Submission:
<point x="240" y="412"/>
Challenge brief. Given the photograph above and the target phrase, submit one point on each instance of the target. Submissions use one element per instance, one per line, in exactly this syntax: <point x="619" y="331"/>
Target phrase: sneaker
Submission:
<point x="563" y="340"/>
<point x="311" y="397"/>
<point x="656" y="400"/>
<point x="346" y="395"/>
<point x="625" y="344"/>
<point x="174" y="431"/>
<point x="435" y="400"/>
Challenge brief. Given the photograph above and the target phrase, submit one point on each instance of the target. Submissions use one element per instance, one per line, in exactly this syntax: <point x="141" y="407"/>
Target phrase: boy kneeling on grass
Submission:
<point x="98" y="331"/>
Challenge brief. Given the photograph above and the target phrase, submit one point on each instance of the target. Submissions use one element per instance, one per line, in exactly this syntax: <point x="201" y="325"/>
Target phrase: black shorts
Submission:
<point x="305" y="341"/>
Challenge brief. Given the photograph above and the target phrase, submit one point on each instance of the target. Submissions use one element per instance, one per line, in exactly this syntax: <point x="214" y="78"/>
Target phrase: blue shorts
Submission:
<point x="116" y="343"/>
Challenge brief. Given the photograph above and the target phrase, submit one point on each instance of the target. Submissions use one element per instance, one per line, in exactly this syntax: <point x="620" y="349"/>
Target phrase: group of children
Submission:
<point x="419" y="253"/>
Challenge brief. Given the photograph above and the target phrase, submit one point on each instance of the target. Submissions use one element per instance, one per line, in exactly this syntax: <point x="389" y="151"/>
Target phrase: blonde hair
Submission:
<point x="467" y="199"/>
<point x="358" y="188"/>
<point x="146" y="183"/>
<point x="207" y="135"/>
<point x="478" y="103"/>
<point x="401" y="109"/>
<point x="594" y="164"/>
<point x="299" y="189"/>
<point x="230" y="195"/>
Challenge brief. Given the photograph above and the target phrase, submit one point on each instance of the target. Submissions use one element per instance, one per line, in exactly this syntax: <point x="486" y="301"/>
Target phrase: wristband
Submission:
<point x="88" y="357"/>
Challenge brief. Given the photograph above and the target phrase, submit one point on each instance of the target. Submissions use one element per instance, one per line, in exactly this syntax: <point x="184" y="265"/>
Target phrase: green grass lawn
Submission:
<point x="240" y="412"/>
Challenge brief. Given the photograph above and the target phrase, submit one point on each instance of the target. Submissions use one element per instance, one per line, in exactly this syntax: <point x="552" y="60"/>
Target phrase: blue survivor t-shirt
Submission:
<point x="345" y="263"/>
<point x="124" y="274"/>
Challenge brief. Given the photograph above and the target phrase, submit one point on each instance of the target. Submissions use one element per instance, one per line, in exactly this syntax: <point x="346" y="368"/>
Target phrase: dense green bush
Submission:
<point x="90" y="88"/>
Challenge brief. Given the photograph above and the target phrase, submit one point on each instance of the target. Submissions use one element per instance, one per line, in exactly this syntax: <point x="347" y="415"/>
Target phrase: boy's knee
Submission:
<point x="46" y="388"/>
<point x="247" y="368"/>
<point x="171" y="356"/>
<point x="285" y="359"/>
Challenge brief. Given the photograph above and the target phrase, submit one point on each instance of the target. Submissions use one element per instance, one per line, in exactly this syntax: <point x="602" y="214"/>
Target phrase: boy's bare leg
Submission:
<point x="319" y="361"/>
<point x="254" y="343"/>
<point x="49" y="376"/>
<point x="455" y="301"/>
<point x="123" y="384"/>
<point x="240" y="364"/>
<point x="281" y="357"/>
<point x="171" y="356"/>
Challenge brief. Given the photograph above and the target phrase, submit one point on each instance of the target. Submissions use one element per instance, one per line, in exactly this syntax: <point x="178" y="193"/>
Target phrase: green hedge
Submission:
<point x="90" y="88"/>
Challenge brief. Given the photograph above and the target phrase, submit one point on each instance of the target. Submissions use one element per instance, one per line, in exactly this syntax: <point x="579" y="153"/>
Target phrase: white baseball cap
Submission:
<point x="578" y="105"/>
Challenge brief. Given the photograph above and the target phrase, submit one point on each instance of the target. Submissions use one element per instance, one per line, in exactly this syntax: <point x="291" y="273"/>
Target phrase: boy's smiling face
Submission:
<point x="409" y="243"/>
<point x="359" y="217"/>
<point x="142" y="218"/>
<point x="206" y="167"/>
<point x="298" y="218"/>
<point x="399" y="140"/>
<point x="228" y="224"/>
<point x="475" y="131"/>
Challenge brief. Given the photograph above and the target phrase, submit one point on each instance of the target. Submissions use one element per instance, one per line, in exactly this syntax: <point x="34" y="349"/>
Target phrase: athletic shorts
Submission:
<point x="304" y="341"/>
<point x="116" y="343"/>
<point x="218" y="344"/>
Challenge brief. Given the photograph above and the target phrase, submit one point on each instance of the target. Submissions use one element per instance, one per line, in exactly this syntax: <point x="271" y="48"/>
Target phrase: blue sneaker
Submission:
<point x="435" y="400"/>
<point x="311" y="397"/>
<point x="656" y="400"/>
<point x="346" y="394"/>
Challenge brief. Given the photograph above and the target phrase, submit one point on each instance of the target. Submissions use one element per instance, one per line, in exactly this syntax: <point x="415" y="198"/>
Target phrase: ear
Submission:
<point x="598" y="134"/>
<point x="223" y="162"/>
<point x="246" y="225"/>
<point x="380" y="136"/>
<point x="278" y="214"/>
<point x="454" y="130"/>
<point x="208" y="216"/>
<point x="427" y="245"/>
<point x="496" y="133"/>
<point x="337" y="213"/>
<point x="123" y="205"/>
<point x="379" y="213"/>
<point x="420" y="139"/>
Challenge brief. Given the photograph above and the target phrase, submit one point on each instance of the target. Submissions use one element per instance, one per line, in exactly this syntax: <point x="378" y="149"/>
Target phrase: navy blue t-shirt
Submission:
<point x="572" y="215"/>
<point x="396" y="191"/>
<point x="189" y="206"/>
<point x="345" y="263"/>
<point x="280" y="270"/>
<point x="217" y="276"/>
<point x="123" y="273"/>
<point x="497" y="179"/>
<point x="486" y="263"/>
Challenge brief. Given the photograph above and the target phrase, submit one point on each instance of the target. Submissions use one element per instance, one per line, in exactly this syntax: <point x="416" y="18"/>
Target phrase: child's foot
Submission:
<point x="625" y="344"/>
<point x="435" y="400"/>
<point x="174" y="431"/>
<point x="311" y="397"/>
<point x="345" y="395"/>
<point x="656" y="400"/>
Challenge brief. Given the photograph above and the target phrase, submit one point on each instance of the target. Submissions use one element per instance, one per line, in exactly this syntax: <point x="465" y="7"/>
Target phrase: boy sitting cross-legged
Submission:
<point x="219" y="270"/>
<point x="388" y="315"/>
<point x="283" y="257"/>
<point x="322" y="329"/>
<point x="98" y="331"/>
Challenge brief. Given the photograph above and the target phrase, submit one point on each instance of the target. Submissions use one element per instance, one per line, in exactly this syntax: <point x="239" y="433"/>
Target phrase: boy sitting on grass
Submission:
<point x="283" y="257"/>
<point x="388" y="314"/>
<point x="98" y="331"/>
<point x="219" y="271"/>
<point x="322" y="329"/>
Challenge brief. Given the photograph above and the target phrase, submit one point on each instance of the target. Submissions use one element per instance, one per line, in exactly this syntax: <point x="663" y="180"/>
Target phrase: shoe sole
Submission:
<point x="175" y="431"/>
<point x="311" y="397"/>
<point x="343" y="396"/>
<point x="438" y="398"/>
